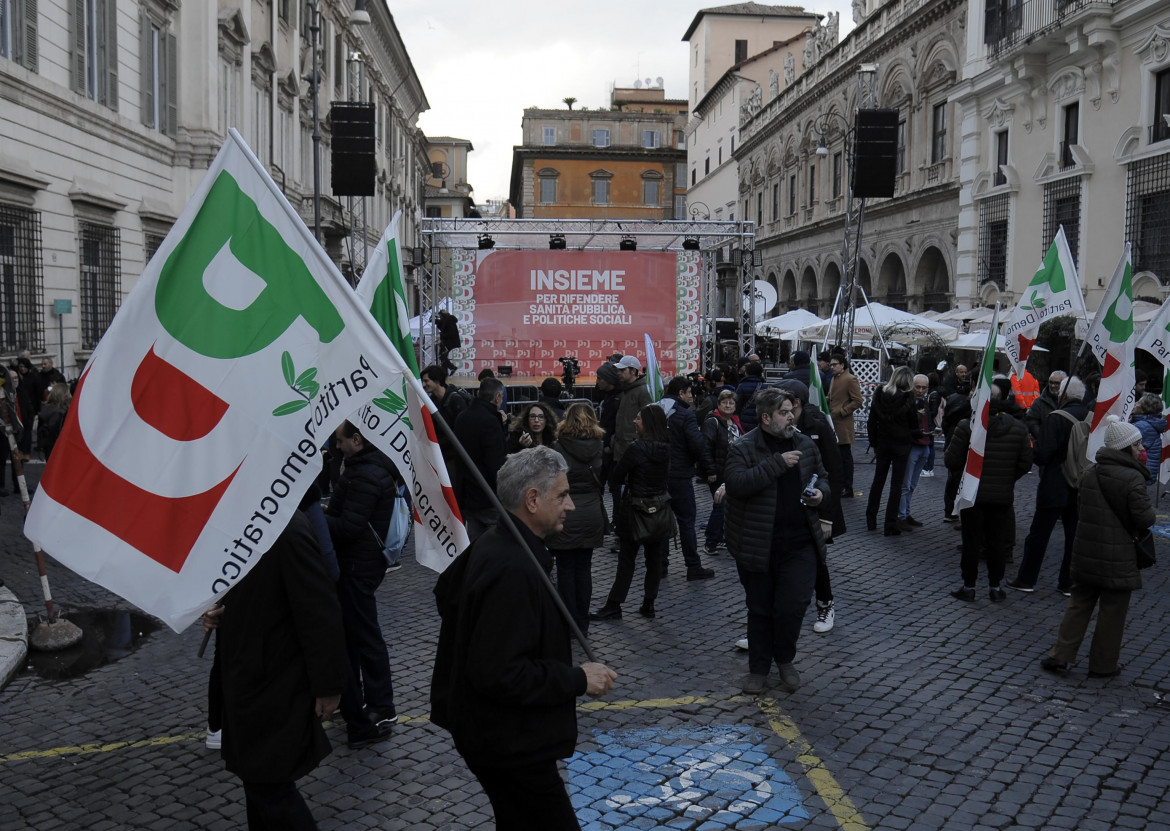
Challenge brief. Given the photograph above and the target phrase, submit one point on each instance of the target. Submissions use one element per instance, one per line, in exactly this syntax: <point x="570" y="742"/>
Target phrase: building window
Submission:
<point x="1002" y="19"/>
<point x="650" y="138"/>
<point x="94" y="28"/>
<point x="282" y="10"/>
<point x="900" y="158"/>
<point x="158" y="75"/>
<point x="152" y="242"/>
<point x="838" y="162"/>
<point x="1160" y="130"/>
<point x="1072" y="117"/>
<point x="792" y="194"/>
<point x="99" y="280"/>
<point x="720" y="159"/>
<point x="760" y="209"/>
<point x="601" y="138"/>
<point x="694" y="175"/>
<point x="812" y="185"/>
<point x="1062" y="206"/>
<point x="706" y="165"/>
<point x="550" y="136"/>
<point x="600" y="191"/>
<point x="20" y="280"/>
<point x="1001" y="159"/>
<point x="548" y="190"/>
<point x="651" y="192"/>
<point x="18" y="32"/>
<point x="680" y="174"/>
<point x="740" y="51"/>
<point x="775" y="201"/>
<point x="938" y="133"/>
<point x="680" y="206"/>
<point x="993" y="240"/>
<point x="1147" y="214"/>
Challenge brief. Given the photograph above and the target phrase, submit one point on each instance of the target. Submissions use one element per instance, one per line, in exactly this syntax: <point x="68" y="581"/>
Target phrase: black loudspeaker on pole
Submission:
<point x="352" y="165"/>
<point x="875" y="153"/>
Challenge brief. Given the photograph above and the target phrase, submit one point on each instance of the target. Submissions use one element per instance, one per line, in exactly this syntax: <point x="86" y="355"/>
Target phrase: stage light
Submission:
<point x="691" y="244"/>
<point x="556" y="242"/>
<point x="486" y="242"/>
<point x="628" y="244"/>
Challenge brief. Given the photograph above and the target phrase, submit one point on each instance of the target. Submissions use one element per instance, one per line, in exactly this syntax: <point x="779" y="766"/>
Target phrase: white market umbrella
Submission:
<point x="869" y="320"/>
<point x="975" y="340"/>
<point x="787" y="322"/>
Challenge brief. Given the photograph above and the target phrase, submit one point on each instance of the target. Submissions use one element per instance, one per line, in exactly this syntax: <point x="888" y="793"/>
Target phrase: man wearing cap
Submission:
<point x="1114" y="506"/>
<point x="634" y="396"/>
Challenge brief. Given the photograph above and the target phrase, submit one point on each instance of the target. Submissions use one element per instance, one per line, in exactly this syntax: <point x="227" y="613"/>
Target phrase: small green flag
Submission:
<point x="383" y="291"/>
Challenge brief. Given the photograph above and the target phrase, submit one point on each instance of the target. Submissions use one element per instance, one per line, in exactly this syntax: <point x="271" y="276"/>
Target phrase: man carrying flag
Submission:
<point x="1111" y="337"/>
<point x="993" y="450"/>
<point x="1055" y="290"/>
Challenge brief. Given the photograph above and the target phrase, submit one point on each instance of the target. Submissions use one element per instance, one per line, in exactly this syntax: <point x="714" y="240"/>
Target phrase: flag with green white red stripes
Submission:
<point x="980" y="415"/>
<point x="383" y="291"/>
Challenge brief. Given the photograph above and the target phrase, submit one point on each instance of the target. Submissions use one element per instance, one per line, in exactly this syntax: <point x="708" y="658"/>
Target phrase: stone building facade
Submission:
<point x="113" y="109"/>
<point x="799" y="199"/>
<point x="1065" y="120"/>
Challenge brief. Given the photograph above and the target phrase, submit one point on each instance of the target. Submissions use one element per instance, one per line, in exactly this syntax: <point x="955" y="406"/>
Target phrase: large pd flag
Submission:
<point x="1115" y="395"/>
<point x="1055" y="290"/>
<point x="980" y="415"/>
<point x="197" y="424"/>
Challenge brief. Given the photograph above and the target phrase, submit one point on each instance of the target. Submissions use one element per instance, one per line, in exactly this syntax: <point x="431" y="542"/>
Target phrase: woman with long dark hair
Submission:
<point x="579" y="440"/>
<point x="892" y="423"/>
<point x="643" y="469"/>
<point x="535" y="425"/>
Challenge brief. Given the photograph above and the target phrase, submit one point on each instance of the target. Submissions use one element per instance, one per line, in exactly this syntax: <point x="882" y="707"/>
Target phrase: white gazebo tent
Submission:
<point x="874" y="319"/>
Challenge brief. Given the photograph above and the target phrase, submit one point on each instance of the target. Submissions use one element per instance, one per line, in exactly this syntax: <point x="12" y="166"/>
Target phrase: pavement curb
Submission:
<point x="13" y="636"/>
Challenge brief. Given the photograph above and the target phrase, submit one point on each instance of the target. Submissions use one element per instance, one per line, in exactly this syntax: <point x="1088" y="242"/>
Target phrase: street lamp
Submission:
<point x="695" y="210"/>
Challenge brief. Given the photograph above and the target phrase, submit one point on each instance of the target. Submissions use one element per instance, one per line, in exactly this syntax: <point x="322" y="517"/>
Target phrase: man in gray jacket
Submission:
<point x="774" y="533"/>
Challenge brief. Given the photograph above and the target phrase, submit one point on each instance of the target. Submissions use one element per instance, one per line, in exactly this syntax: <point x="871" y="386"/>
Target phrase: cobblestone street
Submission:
<point x="917" y="711"/>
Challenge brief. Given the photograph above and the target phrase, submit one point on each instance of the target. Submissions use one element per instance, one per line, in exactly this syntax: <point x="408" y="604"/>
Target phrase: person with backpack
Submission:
<point x="1061" y="455"/>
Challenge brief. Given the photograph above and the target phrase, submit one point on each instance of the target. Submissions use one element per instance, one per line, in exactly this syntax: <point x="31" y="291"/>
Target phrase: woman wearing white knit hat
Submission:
<point x="1114" y="506"/>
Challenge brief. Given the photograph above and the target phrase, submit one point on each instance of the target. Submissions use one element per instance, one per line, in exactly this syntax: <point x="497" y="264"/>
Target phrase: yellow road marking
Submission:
<point x="846" y="813"/>
<point x="826" y="785"/>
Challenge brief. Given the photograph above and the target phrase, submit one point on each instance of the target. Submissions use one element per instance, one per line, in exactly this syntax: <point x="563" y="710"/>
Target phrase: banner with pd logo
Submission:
<point x="197" y="424"/>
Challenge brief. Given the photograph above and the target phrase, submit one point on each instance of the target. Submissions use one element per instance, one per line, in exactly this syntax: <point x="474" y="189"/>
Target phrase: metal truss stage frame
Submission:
<point x="728" y="257"/>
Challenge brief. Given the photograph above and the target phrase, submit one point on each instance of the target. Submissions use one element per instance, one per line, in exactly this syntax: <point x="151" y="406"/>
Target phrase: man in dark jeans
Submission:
<point x="686" y="450"/>
<point x="359" y="515"/>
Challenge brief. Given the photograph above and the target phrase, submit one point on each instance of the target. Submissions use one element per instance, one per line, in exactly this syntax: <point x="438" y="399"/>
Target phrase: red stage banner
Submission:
<point x="526" y="309"/>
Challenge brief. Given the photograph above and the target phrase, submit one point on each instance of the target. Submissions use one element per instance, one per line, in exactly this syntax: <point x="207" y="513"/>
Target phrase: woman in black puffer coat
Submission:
<point x="1114" y="505"/>
<point x="644" y="469"/>
<point x="892" y="423"/>
<point x="579" y="440"/>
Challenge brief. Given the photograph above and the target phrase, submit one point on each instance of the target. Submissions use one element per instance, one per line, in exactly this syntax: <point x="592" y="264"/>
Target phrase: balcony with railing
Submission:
<point x="1012" y="24"/>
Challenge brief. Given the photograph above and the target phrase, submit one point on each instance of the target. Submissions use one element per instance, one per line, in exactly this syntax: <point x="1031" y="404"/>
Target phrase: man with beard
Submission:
<point x="774" y="533"/>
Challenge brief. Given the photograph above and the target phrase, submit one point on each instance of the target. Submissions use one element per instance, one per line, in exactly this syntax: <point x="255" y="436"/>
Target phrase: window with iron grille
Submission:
<point x="153" y="243"/>
<point x="993" y="240"/>
<point x="1147" y="214"/>
<point x="100" y="257"/>
<point x="900" y="158"/>
<point x="1062" y="206"/>
<point x="20" y="280"/>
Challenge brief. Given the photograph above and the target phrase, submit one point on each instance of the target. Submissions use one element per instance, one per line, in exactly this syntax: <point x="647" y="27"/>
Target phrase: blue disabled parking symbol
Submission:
<point x="692" y="777"/>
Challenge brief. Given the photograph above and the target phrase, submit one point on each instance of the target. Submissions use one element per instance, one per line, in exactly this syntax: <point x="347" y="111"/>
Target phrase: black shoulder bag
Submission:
<point x="1143" y="541"/>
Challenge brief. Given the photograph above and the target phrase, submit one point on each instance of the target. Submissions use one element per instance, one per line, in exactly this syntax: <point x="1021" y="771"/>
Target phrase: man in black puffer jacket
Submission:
<point x="686" y="451"/>
<point x="774" y="534"/>
<point x="359" y="515"/>
<point x="1007" y="456"/>
<point x="1055" y="498"/>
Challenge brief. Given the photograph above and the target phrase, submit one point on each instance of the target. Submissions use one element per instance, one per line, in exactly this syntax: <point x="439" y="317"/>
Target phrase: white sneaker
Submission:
<point x="926" y="474"/>
<point x="742" y="644"/>
<point x="215" y="739"/>
<point x="825" y="617"/>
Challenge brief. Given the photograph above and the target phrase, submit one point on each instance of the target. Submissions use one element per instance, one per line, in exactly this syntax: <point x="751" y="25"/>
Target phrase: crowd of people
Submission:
<point x="569" y="473"/>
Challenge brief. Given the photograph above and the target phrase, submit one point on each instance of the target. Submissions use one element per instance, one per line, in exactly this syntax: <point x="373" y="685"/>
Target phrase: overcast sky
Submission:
<point x="481" y="63"/>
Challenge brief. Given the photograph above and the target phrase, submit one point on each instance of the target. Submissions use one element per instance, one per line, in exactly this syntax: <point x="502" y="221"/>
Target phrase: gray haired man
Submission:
<point x="504" y="683"/>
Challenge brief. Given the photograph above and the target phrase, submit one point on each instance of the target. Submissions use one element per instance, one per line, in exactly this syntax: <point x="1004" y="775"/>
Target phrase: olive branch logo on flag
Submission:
<point x="303" y="385"/>
<point x="1054" y="290"/>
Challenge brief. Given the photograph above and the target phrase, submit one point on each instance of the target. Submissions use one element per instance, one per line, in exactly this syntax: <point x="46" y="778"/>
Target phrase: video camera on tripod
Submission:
<point x="570" y="369"/>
